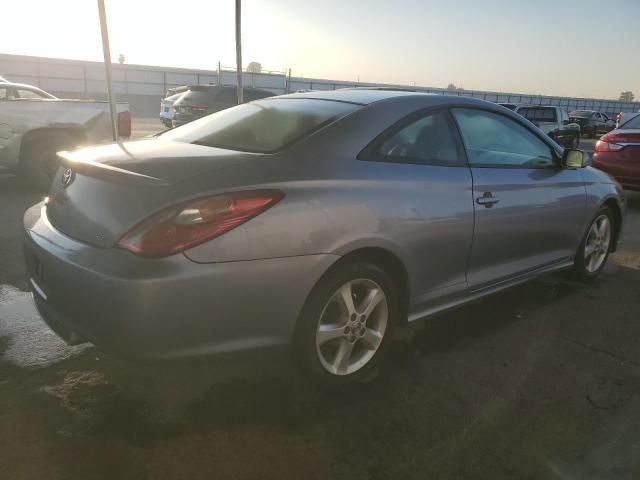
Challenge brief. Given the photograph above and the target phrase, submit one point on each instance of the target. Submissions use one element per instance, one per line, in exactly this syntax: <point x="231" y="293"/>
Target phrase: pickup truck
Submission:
<point x="554" y="121"/>
<point x="35" y="125"/>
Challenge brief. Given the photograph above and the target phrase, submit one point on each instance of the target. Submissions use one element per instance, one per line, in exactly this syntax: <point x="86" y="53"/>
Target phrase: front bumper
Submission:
<point x="163" y="308"/>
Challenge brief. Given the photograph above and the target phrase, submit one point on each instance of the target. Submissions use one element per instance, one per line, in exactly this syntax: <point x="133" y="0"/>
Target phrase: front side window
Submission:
<point x="429" y="139"/>
<point x="493" y="140"/>
<point x="264" y="126"/>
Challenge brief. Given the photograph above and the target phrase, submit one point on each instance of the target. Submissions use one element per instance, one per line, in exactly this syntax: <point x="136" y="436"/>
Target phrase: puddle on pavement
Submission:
<point x="29" y="341"/>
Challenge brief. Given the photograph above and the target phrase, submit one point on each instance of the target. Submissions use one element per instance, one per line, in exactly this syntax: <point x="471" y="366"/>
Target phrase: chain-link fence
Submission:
<point x="144" y="85"/>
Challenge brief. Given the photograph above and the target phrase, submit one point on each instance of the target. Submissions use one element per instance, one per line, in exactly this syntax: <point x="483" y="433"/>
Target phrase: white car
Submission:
<point x="35" y="125"/>
<point x="166" y="109"/>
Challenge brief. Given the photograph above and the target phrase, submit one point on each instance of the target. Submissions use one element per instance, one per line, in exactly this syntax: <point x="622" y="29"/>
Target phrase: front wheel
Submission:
<point x="595" y="247"/>
<point x="345" y="326"/>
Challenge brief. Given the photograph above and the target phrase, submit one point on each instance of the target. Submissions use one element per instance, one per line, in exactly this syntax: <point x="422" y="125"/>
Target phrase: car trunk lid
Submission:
<point x="102" y="192"/>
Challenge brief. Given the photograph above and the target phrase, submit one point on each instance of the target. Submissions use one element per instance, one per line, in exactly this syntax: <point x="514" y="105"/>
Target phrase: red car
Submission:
<point x="618" y="154"/>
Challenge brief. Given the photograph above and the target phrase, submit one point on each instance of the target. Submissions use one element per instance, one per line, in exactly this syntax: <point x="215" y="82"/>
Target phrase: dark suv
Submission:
<point x="201" y="100"/>
<point x="591" y="122"/>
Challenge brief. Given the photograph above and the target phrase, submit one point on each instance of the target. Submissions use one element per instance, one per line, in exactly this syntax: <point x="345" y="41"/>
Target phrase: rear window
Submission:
<point x="538" y="114"/>
<point x="633" y="123"/>
<point x="263" y="126"/>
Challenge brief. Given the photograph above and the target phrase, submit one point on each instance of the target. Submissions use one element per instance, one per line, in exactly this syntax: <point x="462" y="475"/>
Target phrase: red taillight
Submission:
<point x="124" y="124"/>
<point x="602" y="146"/>
<point x="189" y="224"/>
<point x="199" y="106"/>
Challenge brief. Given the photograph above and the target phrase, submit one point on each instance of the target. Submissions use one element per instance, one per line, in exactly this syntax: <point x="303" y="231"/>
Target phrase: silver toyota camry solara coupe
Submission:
<point x="321" y="221"/>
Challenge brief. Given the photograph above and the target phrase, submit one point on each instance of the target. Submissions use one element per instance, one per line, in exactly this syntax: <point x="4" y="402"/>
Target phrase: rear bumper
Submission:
<point x="168" y="308"/>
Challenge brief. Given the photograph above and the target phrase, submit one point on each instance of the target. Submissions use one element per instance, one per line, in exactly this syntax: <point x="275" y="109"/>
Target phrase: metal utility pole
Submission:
<point x="239" y="50"/>
<point x="107" y="65"/>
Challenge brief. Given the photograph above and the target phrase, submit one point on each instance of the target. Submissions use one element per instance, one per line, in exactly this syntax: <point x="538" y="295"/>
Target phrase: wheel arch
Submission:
<point x="613" y="204"/>
<point x="32" y="135"/>
<point x="389" y="261"/>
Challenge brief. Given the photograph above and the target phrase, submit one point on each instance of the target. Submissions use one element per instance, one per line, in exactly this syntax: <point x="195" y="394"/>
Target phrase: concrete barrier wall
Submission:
<point x="144" y="85"/>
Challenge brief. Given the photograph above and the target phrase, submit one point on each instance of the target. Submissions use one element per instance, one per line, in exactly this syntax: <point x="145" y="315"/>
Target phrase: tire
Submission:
<point x="38" y="160"/>
<point x="319" y="355"/>
<point x="586" y="266"/>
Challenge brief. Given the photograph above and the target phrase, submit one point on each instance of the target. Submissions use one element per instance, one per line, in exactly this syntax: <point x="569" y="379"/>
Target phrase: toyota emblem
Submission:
<point x="67" y="177"/>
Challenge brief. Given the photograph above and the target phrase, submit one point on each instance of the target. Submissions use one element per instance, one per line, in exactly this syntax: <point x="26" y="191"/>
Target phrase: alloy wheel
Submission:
<point x="596" y="247"/>
<point x="351" y="326"/>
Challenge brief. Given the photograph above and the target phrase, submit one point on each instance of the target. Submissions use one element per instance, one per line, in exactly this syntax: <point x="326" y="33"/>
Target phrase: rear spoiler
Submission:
<point x="109" y="173"/>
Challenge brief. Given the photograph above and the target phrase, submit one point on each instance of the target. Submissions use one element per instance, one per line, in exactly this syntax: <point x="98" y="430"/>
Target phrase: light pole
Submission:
<point x="107" y="65"/>
<point x="239" y="50"/>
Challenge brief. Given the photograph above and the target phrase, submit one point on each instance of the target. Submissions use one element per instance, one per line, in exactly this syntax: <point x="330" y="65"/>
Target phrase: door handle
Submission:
<point x="487" y="199"/>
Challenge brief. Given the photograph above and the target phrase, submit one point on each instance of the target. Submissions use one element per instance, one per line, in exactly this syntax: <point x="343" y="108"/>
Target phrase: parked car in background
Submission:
<point x="34" y="125"/>
<point x="623" y="117"/>
<point x="201" y="100"/>
<point x="320" y="221"/>
<point x="15" y="91"/>
<point x="618" y="154"/>
<point x="554" y="121"/>
<point x="510" y="106"/>
<point x="592" y="123"/>
<point x="166" y="109"/>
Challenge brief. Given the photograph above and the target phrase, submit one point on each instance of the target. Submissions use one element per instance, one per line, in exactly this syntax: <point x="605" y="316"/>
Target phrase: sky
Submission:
<point x="555" y="47"/>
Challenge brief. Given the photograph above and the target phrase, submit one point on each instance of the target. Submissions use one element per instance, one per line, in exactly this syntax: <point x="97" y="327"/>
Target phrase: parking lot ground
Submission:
<point x="541" y="381"/>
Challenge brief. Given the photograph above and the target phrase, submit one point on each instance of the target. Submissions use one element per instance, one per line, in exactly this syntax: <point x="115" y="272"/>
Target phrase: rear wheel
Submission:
<point x="38" y="160"/>
<point x="595" y="247"/>
<point x="344" y="329"/>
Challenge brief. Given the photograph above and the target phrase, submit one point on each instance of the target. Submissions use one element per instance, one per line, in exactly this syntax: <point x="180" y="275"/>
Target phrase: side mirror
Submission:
<point x="566" y="122"/>
<point x="574" y="158"/>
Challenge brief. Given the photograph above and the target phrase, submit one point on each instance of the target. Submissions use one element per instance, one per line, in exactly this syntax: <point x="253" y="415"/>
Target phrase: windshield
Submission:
<point x="581" y="113"/>
<point x="633" y="123"/>
<point x="263" y="126"/>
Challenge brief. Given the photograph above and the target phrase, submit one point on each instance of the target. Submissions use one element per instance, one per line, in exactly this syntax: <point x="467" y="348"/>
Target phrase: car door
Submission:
<point x="528" y="211"/>
<point x="425" y="151"/>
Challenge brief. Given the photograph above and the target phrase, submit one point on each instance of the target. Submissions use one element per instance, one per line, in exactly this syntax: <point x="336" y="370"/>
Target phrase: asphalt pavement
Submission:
<point x="541" y="381"/>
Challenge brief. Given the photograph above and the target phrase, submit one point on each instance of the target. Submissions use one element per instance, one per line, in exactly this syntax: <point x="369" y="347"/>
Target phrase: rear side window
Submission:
<point x="493" y="140"/>
<point x="264" y="126"/>
<point x="538" y="114"/>
<point x="429" y="139"/>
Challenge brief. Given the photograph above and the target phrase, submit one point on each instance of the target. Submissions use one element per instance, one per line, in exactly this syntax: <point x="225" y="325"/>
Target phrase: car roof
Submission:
<point x="21" y="85"/>
<point x="361" y="96"/>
